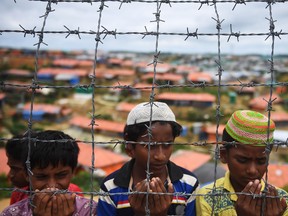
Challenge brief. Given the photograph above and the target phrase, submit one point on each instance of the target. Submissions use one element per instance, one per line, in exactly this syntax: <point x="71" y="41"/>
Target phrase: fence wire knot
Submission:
<point x="165" y="2"/>
<point x="148" y="33"/>
<point x="34" y="86"/>
<point x="101" y="7"/>
<point x="48" y="10"/>
<point x="32" y="32"/>
<point x="124" y="1"/>
<point x="220" y="69"/>
<point x="93" y="120"/>
<point x="97" y="38"/>
<point x="157" y="15"/>
<point x="193" y="34"/>
<point x="238" y="2"/>
<point x="218" y="25"/>
<point x="106" y="32"/>
<point x="72" y="32"/>
<point x="203" y="2"/>
<point x="269" y="104"/>
<point x="236" y="34"/>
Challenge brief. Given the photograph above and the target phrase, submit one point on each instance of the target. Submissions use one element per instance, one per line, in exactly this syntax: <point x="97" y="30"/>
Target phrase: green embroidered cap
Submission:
<point x="250" y="127"/>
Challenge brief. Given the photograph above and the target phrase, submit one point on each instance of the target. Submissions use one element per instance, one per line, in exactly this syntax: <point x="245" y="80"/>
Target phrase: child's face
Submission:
<point x="51" y="177"/>
<point x="246" y="163"/>
<point x="17" y="173"/>
<point x="159" y="154"/>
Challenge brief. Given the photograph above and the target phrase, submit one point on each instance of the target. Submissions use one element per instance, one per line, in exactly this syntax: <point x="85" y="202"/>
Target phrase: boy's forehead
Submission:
<point x="242" y="148"/>
<point x="51" y="168"/>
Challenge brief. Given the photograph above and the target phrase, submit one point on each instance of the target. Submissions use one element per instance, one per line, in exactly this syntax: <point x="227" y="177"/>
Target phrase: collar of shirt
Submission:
<point x="228" y="186"/>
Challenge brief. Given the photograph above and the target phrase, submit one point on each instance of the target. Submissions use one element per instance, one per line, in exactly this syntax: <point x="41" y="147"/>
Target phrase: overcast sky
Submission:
<point x="135" y="16"/>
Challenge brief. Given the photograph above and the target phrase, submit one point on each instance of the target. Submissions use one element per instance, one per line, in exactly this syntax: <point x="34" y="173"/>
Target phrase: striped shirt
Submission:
<point x="184" y="182"/>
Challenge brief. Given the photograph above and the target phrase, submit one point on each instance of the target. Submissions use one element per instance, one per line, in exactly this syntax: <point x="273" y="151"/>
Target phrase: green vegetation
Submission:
<point x="15" y="126"/>
<point x="4" y="66"/>
<point x="4" y="183"/>
<point x="83" y="180"/>
<point x="26" y="67"/>
<point x="285" y="188"/>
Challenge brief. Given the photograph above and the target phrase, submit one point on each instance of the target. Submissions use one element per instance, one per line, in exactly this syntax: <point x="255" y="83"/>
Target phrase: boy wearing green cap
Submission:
<point x="239" y="191"/>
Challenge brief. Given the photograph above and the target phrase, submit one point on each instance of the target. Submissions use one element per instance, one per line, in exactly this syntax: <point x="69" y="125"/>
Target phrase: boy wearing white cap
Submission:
<point x="238" y="193"/>
<point x="149" y="125"/>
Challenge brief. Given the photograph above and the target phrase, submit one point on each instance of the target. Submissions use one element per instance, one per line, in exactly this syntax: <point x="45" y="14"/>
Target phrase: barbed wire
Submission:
<point x="101" y="33"/>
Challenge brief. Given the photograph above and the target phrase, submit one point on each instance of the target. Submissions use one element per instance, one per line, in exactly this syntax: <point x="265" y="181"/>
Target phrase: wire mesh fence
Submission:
<point x="155" y="28"/>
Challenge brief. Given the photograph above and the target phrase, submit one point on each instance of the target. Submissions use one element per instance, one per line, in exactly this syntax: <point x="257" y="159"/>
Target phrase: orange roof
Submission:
<point x="85" y="63"/>
<point x="279" y="116"/>
<point x="261" y="101"/>
<point x="172" y="77"/>
<point x="143" y="86"/>
<point x="114" y="61"/>
<point x="187" y="97"/>
<point x="119" y="72"/>
<point x="103" y="157"/>
<point x="189" y="160"/>
<point x="65" y="62"/>
<point x="2" y="96"/>
<point x="278" y="174"/>
<point x="199" y="77"/>
<point x="141" y="64"/>
<point x="149" y="76"/>
<point x="127" y="63"/>
<point x="19" y="72"/>
<point x="48" y="108"/>
<point x="100" y="124"/>
<point x="56" y="71"/>
<point x="211" y="129"/>
<point x="72" y="62"/>
<point x="3" y="162"/>
<point x="160" y="68"/>
<point x="126" y="107"/>
<point x="148" y="67"/>
<point x="186" y="69"/>
<point x="165" y="76"/>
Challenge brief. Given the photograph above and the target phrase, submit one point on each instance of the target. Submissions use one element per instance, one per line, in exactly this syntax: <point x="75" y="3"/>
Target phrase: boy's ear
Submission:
<point x="27" y="178"/>
<point x="129" y="150"/>
<point x="223" y="155"/>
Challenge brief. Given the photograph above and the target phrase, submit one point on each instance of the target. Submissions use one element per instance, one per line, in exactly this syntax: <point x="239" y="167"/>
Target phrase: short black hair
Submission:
<point x="133" y="132"/>
<point x="227" y="138"/>
<point x="50" y="147"/>
<point x="59" y="149"/>
<point x="17" y="147"/>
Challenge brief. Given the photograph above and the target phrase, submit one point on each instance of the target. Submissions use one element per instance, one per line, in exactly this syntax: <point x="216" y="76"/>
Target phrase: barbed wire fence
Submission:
<point x="101" y="32"/>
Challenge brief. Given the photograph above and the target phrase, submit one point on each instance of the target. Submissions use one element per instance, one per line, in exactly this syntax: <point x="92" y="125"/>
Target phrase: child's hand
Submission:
<point x="249" y="205"/>
<point x="158" y="204"/>
<point x="137" y="201"/>
<point x="274" y="206"/>
<point x="63" y="204"/>
<point x="42" y="202"/>
<point x="49" y="203"/>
